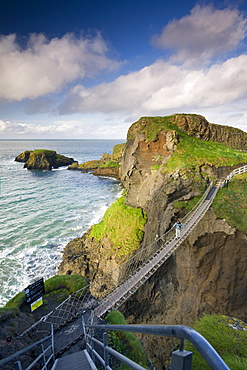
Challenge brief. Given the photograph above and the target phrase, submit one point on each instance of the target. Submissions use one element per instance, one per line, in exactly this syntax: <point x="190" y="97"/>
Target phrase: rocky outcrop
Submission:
<point x="42" y="159"/>
<point x="87" y="257"/>
<point x="198" y="126"/>
<point x="108" y="165"/>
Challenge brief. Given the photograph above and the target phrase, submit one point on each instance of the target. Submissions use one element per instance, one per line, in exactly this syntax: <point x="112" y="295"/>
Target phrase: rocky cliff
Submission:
<point x="167" y="162"/>
<point x="198" y="126"/>
<point x="206" y="275"/>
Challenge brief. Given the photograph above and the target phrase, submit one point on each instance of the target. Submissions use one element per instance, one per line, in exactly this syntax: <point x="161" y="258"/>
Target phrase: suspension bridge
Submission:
<point x="114" y="288"/>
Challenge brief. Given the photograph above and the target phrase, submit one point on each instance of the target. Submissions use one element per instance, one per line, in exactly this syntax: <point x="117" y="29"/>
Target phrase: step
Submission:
<point x="75" y="361"/>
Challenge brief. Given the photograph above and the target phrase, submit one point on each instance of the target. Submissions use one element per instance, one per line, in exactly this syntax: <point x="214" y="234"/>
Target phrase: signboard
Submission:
<point x="35" y="291"/>
<point x="36" y="304"/>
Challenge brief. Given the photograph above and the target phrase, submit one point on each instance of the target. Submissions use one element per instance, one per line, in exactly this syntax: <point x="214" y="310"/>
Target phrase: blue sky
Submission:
<point x="88" y="69"/>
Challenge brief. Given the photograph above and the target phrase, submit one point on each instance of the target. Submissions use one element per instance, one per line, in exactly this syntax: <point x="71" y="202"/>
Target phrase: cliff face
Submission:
<point x="207" y="274"/>
<point x="198" y="126"/>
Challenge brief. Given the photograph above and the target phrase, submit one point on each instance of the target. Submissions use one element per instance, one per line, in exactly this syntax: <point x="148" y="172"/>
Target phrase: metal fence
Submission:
<point x="181" y="359"/>
<point x="24" y="358"/>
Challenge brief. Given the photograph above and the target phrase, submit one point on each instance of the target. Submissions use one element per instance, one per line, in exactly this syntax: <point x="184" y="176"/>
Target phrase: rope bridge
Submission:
<point x="114" y="288"/>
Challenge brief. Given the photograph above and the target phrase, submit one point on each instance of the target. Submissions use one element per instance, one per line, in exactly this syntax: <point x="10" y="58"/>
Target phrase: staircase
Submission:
<point x="76" y="361"/>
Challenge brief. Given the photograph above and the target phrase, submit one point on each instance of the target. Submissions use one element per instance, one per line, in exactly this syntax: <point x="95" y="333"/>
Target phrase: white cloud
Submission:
<point x="43" y="128"/>
<point x="165" y="86"/>
<point x="2" y="125"/>
<point x="162" y="87"/>
<point x="84" y="128"/>
<point x="203" y="34"/>
<point x="45" y="66"/>
<point x="197" y="84"/>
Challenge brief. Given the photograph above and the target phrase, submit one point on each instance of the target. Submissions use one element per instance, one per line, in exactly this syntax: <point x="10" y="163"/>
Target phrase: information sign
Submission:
<point x="35" y="291"/>
<point x="36" y="304"/>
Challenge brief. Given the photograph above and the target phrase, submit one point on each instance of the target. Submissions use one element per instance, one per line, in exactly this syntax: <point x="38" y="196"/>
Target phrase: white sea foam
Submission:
<point x="40" y="211"/>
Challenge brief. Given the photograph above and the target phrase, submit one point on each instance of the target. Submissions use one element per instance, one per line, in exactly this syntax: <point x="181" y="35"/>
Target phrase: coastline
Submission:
<point x="35" y="226"/>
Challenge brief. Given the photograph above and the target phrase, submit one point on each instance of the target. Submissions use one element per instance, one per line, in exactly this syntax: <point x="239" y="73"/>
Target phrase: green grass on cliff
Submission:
<point x="123" y="225"/>
<point x="125" y="342"/>
<point x="117" y="151"/>
<point x="227" y="337"/>
<point x="110" y="164"/>
<point x="231" y="203"/>
<point x="65" y="284"/>
<point x="191" y="152"/>
<point x="45" y="151"/>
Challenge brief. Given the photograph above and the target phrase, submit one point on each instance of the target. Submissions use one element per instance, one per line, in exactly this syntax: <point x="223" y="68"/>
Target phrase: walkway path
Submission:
<point x="124" y="291"/>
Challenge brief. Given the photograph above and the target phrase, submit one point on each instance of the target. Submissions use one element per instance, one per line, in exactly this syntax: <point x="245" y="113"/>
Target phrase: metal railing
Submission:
<point x="181" y="359"/>
<point x="44" y="358"/>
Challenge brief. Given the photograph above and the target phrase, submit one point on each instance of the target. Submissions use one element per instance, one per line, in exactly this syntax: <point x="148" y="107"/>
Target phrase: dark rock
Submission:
<point x="43" y="159"/>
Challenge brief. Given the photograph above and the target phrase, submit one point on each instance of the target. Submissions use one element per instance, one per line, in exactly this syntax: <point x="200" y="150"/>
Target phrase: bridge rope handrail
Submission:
<point x="65" y="306"/>
<point x="84" y="298"/>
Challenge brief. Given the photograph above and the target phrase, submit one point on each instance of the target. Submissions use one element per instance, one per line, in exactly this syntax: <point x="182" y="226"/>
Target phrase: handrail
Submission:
<point x="39" y="342"/>
<point x="179" y="331"/>
<point x="113" y="352"/>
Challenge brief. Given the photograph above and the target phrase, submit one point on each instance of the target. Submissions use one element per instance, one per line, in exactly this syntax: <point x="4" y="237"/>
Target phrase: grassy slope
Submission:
<point x="231" y="344"/>
<point x="231" y="203"/>
<point x="125" y="342"/>
<point x="227" y="201"/>
<point x="61" y="285"/>
<point x="123" y="225"/>
<point x="192" y="152"/>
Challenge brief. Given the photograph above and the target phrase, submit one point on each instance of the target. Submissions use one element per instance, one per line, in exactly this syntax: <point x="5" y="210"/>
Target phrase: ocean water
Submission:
<point x="41" y="211"/>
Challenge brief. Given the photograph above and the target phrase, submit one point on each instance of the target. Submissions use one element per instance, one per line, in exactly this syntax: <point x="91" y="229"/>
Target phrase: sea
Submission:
<point x="41" y="211"/>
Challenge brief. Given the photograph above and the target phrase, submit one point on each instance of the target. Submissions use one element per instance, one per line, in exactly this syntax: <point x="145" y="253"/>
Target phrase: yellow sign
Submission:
<point x="36" y="304"/>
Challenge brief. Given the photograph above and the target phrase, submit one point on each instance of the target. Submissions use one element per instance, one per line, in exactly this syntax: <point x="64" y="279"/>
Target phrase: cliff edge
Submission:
<point x="166" y="166"/>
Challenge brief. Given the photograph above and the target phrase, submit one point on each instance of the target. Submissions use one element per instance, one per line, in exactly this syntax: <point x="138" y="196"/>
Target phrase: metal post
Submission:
<point x="17" y="365"/>
<point x="52" y="342"/>
<point x="92" y="344"/>
<point x="106" y="355"/>
<point x="44" y="359"/>
<point x="181" y="359"/>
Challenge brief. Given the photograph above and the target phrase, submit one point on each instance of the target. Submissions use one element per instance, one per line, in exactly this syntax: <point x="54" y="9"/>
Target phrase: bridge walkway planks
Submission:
<point x="125" y="290"/>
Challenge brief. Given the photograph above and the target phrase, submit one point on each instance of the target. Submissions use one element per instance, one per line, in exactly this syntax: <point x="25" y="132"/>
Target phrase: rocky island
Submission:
<point x="43" y="159"/>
